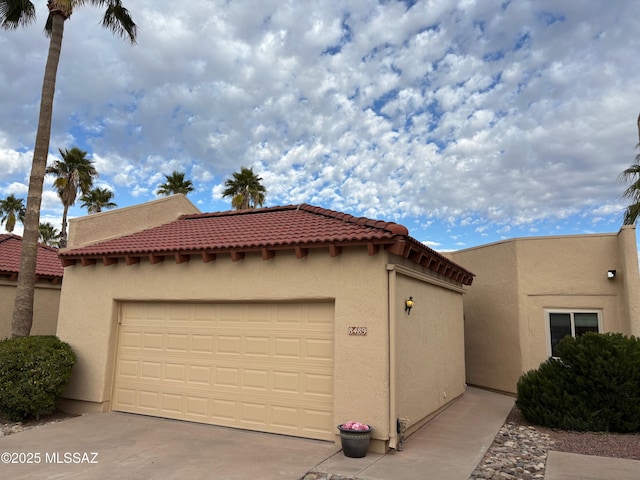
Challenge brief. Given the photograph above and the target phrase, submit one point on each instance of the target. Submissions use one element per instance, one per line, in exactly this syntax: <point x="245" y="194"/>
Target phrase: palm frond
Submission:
<point x="117" y="19"/>
<point x="16" y="13"/>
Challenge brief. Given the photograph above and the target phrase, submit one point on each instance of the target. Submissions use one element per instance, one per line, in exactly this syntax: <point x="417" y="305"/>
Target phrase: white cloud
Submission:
<point x="485" y="115"/>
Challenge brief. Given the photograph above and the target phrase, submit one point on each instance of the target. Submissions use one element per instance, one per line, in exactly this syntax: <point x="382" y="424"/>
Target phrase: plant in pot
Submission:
<point x="355" y="437"/>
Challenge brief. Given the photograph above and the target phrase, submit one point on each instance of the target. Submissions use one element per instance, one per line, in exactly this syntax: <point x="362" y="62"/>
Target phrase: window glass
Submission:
<point x="560" y="325"/>
<point x="566" y="322"/>
<point x="585" y="322"/>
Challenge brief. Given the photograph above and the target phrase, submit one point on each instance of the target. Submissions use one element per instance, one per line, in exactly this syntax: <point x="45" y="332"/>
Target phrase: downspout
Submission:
<point x="393" y="434"/>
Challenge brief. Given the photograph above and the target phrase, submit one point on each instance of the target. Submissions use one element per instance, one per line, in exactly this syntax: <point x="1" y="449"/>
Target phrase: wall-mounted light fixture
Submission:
<point x="611" y="274"/>
<point x="408" y="305"/>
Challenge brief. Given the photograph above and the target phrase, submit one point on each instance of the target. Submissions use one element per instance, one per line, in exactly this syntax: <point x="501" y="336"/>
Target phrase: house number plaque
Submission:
<point x="357" y="330"/>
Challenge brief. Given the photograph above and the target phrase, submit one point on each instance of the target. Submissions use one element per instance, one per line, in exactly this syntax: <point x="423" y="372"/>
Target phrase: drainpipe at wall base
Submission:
<point x="401" y="428"/>
<point x="393" y="429"/>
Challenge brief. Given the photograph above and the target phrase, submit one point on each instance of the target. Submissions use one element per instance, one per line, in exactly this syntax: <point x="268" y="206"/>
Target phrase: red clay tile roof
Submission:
<point x="267" y="230"/>
<point x="48" y="264"/>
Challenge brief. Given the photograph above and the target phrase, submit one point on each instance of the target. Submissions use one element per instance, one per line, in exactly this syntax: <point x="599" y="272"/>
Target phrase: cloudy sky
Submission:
<point x="468" y="121"/>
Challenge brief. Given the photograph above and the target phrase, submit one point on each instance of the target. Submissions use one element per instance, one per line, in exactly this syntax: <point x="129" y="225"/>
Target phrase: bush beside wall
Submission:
<point x="33" y="373"/>
<point x="594" y="385"/>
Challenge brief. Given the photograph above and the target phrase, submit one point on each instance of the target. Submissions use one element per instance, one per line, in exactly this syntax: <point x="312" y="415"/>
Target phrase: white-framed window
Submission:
<point x="561" y="323"/>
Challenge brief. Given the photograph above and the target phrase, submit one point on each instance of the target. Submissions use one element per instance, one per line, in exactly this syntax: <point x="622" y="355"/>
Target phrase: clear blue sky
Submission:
<point x="468" y="122"/>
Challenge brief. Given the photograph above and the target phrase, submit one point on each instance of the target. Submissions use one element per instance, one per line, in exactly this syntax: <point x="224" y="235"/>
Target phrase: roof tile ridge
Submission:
<point x="71" y="251"/>
<point x="9" y="236"/>
<point x="392" y="227"/>
<point x="48" y="247"/>
<point x="231" y="213"/>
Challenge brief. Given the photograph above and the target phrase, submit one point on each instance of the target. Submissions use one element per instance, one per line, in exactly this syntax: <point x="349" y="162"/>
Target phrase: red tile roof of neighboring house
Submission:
<point x="264" y="230"/>
<point x="48" y="264"/>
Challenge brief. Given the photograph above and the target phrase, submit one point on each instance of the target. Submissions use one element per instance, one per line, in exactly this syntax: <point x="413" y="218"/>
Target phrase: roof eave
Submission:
<point x="208" y="254"/>
<point x="428" y="258"/>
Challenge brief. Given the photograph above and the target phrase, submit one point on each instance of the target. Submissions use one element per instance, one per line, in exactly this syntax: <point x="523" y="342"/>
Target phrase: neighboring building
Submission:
<point x="47" y="290"/>
<point x="531" y="292"/>
<point x="288" y="320"/>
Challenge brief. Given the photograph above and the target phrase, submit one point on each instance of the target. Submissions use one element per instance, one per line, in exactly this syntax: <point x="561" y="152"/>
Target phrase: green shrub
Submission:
<point x="33" y="373"/>
<point x="594" y="385"/>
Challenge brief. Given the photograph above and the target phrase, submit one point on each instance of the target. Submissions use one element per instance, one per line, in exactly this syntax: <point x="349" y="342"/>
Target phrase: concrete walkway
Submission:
<point x="447" y="448"/>
<point x="571" y="466"/>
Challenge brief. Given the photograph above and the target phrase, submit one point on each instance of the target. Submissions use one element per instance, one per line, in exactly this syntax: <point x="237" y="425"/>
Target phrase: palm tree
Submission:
<point x="74" y="172"/>
<point x="175" y="183"/>
<point x="14" y="14"/>
<point x="632" y="176"/>
<point x="245" y="189"/>
<point x="11" y="209"/>
<point x="49" y="235"/>
<point x="97" y="199"/>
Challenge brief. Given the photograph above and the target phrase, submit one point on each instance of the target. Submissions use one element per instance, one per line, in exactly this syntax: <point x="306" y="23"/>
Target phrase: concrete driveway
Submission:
<point x="124" y="446"/>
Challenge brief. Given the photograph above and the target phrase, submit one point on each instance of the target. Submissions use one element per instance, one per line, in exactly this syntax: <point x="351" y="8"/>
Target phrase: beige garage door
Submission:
<point x="265" y="367"/>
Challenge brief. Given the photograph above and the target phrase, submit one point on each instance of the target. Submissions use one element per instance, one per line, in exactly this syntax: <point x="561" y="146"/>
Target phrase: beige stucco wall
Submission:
<point x="45" y="308"/>
<point x="491" y="329"/>
<point x="429" y="366"/>
<point x="357" y="282"/>
<point x="569" y="273"/>
<point x="519" y="280"/>
<point x="123" y="221"/>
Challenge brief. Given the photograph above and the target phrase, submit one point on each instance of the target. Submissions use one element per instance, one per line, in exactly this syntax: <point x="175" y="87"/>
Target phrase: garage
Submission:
<point x="258" y="366"/>
<point x="287" y="320"/>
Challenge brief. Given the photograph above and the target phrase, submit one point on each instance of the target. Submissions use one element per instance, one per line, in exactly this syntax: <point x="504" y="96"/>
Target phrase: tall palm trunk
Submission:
<point x="63" y="234"/>
<point x="23" y="306"/>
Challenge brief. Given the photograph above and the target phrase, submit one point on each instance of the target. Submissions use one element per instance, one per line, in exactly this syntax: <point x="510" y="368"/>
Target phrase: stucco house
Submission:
<point x="49" y="273"/>
<point x="288" y="319"/>
<point x="531" y="292"/>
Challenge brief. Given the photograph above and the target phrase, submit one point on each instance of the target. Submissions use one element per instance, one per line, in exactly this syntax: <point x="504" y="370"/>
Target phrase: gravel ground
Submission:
<point x="587" y="443"/>
<point x="8" y="427"/>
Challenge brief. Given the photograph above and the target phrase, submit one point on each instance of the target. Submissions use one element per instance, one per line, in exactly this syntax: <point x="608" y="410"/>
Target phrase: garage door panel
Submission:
<point x="224" y="411"/>
<point x="179" y="312"/>
<point x="229" y="314"/>
<point x="130" y="340"/>
<point x="200" y="374"/>
<point x="276" y="416"/>
<point x="286" y="382"/>
<point x="197" y="406"/>
<point x="255" y="379"/>
<point x="152" y="341"/>
<point x="176" y="342"/>
<point x="128" y="368"/>
<point x="316" y="421"/>
<point x="172" y="403"/>
<point x="285" y="417"/>
<point x="151" y="370"/>
<point x="286" y="348"/>
<point x="151" y="312"/>
<point x="202" y="343"/>
<point x="257" y="346"/>
<point x="320" y="349"/>
<point x="126" y="397"/>
<point x="283" y="378"/>
<point x="318" y="384"/>
<point x="149" y="399"/>
<point x="266" y="367"/>
<point x="228" y="344"/>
